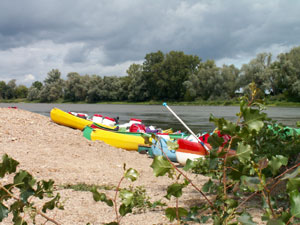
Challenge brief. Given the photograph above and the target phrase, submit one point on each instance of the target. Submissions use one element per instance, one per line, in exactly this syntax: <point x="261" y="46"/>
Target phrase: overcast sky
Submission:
<point x="105" y="37"/>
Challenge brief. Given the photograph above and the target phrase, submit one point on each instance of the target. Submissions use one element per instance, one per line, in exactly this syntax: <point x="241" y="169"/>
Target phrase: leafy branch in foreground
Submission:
<point x="264" y="161"/>
<point x="18" y="197"/>
<point x="131" y="198"/>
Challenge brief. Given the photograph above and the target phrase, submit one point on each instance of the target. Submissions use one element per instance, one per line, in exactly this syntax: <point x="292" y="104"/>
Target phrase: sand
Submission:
<point x="51" y="151"/>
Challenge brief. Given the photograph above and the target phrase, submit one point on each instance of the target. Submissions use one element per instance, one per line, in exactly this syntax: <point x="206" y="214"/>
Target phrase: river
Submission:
<point x="196" y="117"/>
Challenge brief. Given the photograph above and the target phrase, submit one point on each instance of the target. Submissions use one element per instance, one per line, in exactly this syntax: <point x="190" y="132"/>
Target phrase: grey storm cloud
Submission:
<point x="87" y="33"/>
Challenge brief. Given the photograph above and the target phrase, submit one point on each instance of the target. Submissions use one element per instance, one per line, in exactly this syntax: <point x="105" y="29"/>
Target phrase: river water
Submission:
<point x="196" y="117"/>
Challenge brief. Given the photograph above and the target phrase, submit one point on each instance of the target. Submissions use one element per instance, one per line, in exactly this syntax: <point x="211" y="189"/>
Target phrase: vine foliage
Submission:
<point x="18" y="197"/>
<point x="258" y="164"/>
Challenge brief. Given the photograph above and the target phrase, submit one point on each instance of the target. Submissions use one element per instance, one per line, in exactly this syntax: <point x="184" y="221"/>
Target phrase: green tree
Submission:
<point x="192" y="87"/>
<point x="110" y="89"/>
<point x="37" y="84"/>
<point x="165" y="74"/>
<point x="53" y="88"/>
<point x="21" y="91"/>
<point x="280" y="75"/>
<point x="33" y="94"/>
<point x="95" y="85"/>
<point x="76" y="87"/>
<point x="176" y="69"/>
<point x="10" y="90"/>
<point x="257" y="71"/>
<point x="208" y="76"/>
<point x="34" y="91"/>
<point x="152" y="68"/>
<point x="294" y="57"/>
<point x="284" y="75"/>
<point x="2" y="89"/>
<point x="230" y="85"/>
<point x="123" y="91"/>
<point x="293" y="75"/>
<point x="137" y="85"/>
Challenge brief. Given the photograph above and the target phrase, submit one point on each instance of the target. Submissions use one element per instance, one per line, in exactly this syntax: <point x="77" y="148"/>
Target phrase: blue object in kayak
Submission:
<point x="158" y="146"/>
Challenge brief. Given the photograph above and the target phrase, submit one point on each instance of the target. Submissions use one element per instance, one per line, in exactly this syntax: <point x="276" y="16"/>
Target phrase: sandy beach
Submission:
<point x="51" y="151"/>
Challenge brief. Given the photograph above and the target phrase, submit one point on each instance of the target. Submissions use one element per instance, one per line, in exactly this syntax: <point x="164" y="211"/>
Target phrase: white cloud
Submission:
<point x="29" y="77"/>
<point x="105" y="37"/>
<point x="244" y="58"/>
<point x="43" y="56"/>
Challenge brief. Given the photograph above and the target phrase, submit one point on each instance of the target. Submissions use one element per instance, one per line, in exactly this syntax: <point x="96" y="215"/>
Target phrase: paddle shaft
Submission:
<point x="177" y="117"/>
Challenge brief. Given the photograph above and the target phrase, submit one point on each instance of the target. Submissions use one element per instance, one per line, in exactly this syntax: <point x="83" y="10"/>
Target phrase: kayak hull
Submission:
<point x="118" y="140"/>
<point x="66" y="119"/>
<point x="183" y="155"/>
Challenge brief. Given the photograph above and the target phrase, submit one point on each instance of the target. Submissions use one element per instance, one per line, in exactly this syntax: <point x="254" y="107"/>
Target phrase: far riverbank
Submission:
<point x="234" y="102"/>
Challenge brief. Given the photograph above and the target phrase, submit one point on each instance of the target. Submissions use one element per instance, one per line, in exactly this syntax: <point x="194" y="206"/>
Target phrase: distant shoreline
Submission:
<point x="268" y="103"/>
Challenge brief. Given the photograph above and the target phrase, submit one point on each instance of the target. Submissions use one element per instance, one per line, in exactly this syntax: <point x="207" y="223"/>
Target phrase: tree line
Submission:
<point x="171" y="76"/>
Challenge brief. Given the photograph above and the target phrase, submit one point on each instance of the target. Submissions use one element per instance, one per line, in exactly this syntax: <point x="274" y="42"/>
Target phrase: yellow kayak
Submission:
<point x="118" y="140"/>
<point x="63" y="118"/>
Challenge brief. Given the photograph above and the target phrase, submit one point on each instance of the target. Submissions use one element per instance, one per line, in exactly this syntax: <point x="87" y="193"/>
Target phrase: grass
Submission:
<point x="85" y="187"/>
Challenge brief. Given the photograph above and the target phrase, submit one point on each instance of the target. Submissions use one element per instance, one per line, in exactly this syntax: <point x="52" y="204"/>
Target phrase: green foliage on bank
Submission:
<point x="173" y="76"/>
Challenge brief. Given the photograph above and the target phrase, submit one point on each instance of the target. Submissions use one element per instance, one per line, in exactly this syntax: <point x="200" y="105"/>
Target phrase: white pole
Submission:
<point x="195" y="136"/>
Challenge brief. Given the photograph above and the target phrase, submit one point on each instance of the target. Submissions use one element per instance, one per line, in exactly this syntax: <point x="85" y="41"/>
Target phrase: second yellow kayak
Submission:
<point x="118" y="140"/>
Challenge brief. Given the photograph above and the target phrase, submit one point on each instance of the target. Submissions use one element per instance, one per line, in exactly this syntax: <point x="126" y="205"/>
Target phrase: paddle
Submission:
<point x="177" y="117"/>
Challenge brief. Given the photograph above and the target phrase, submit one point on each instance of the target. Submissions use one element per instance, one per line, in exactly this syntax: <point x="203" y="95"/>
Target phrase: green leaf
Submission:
<point x="147" y="138"/>
<point x="160" y="166"/>
<point x="23" y="179"/>
<point x="231" y="203"/>
<point x="101" y="197"/>
<point x="295" y="203"/>
<point x="190" y="164"/>
<point x="246" y="219"/>
<point x="223" y="125"/>
<point x="255" y="125"/>
<point x="215" y="141"/>
<point x="123" y="210"/>
<point x="51" y="204"/>
<point x="18" y="220"/>
<point x="8" y="165"/>
<point x="213" y="163"/>
<point x="25" y="194"/>
<point x="48" y="185"/>
<point x="276" y="162"/>
<point x="3" y="211"/>
<point x="204" y="219"/>
<point x="3" y="194"/>
<point x="112" y="223"/>
<point x="207" y="186"/>
<point x="17" y="206"/>
<point x="44" y="187"/>
<point x="292" y="184"/>
<point x="131" y="174"/>
<point x="175" y="190"/>
<point x="127" y="197"/>
<point x="244" y="152"/>
<point x="171" y="213"/>
<point x="252" y="183"/>
<point x="229" y="127"/>
<point x="275" y="222"/>
<point x="253" y="118"/>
